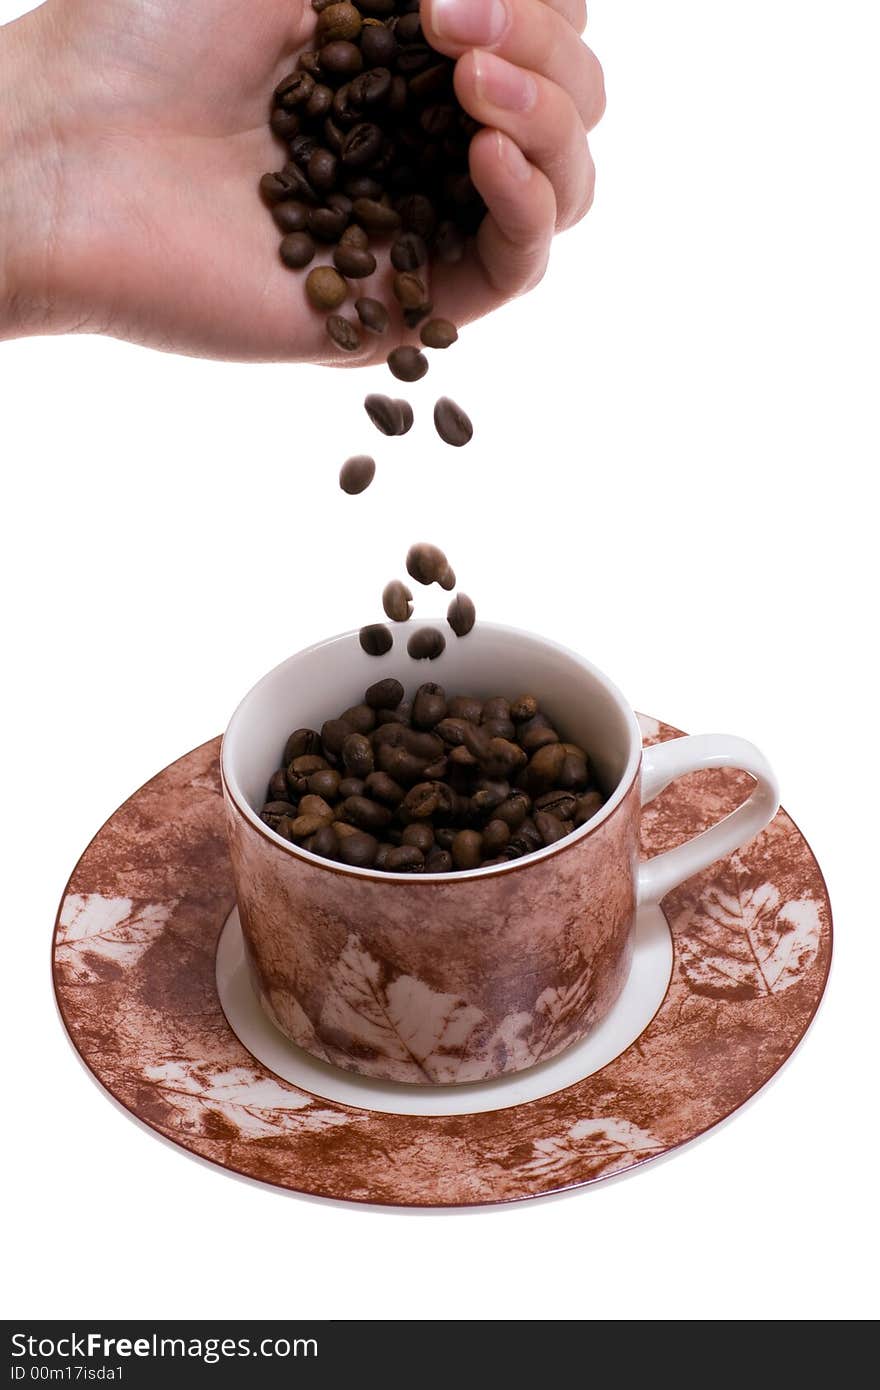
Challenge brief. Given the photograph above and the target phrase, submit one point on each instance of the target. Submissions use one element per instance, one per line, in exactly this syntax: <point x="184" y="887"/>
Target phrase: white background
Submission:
<point x="677" y="444"/>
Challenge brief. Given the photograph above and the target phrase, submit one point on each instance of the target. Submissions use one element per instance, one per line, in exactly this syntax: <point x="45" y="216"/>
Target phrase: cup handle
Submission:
<point x="662" y="764"/>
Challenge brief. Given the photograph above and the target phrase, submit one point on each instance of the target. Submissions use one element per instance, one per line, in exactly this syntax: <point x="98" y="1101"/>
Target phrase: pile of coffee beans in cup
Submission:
<point x="437" y="784"/>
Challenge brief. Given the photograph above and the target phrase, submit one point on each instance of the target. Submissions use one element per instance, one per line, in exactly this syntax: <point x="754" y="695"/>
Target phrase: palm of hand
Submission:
<point x="159" y="207"/>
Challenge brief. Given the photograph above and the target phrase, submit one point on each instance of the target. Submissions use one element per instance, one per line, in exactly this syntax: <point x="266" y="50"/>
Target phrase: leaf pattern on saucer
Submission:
<point x="604" y="1145"/>
<point x="101" y="937"/>
<point x="742" y="941"/>
<point x="254" y="1104"/>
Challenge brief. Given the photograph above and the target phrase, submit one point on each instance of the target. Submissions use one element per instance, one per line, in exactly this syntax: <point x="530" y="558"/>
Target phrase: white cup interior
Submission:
<point x="320" y="682"/>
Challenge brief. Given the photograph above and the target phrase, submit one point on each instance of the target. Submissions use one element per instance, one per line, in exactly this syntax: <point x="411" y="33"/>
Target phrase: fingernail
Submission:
<point x="504" y="85"/>
<point x="514" y="159"/>
<point x="469" y="21"/>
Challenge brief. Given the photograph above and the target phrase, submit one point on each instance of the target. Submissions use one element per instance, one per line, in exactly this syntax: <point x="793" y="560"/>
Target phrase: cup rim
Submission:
<point x="618" y="796"/>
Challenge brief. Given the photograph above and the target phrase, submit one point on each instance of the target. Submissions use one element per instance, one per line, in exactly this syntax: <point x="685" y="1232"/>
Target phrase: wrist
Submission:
<point x="30" y="184"/>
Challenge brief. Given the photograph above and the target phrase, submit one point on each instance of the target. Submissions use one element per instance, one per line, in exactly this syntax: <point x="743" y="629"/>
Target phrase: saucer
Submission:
<point x="153" y="989"/>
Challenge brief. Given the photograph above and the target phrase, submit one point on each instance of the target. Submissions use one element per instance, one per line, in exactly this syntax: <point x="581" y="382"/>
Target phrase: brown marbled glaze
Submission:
<point x="439" y="982"/>
<point x="134" y="971"/>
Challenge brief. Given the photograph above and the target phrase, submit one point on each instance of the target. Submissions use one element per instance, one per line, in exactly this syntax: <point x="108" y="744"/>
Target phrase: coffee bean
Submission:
<point x="322" y="170"/>
<point x="397" y="601"/>
<point x="351" y="786"/>
<point x="376" y="217"/>
<point x="297" y="249"/>
<point x="356" y="474"/>
<point x="418" y="214"/>
<point x="334" y="732"/>
<point x="353" y="262"/>
<point x="549" y="827"/>
<point x="408" y="364"/>
<point x="294" y="90"/>
<point x="309" y="62"/>
<point x="461" y="615"/>
<point x="340" y="58"/>
<point x="285" y="124"/>
<point x="319" y="103"/>
<point x="406" y="416"/>
<point x="429" y="706"/>
<point x="489" y="793"/>
<point x="381" y="787"/>
<point x="364" y="814"/>
<point x="522" y="708"/>
<point x="426" y="644"/>
<point x="327" y="224"/>
<point x="439" y="861"/>
<point x="358" y="850"/>
<point x="301" y="741"/>
<point x="413" y="317"/>
<point x="514" y="810"/>
<point x="409" y="290"/>
<point x="313" y="805"/>
<point x="465" y="707"/>
<point x="357" y="755"/>
<point x="544" y="767"/>
<point x="338" y="22"/>
<point x="360" y="718"/>
<point x="405" y="860"/>
<point x="373" y="315"/>
<point x="378" y="46"/>
<point x="420" y="835"/>
<point x="277" y="789"/>
<point x="376" y="640"/>
<point x="467" y="849"/>
<point x="537" y="733"/>
<point x="387" y="415"/>
<point x="306" y="764"/>
<point x="276" y="811"/>
<point x="386" y="694"/>
<point x="495" y="838"/>
<point x="409" y="252"/>
<point x="426" y="563"/>
<point x="356" y="238"/>
<point x="400" y="715"/>
<point x="588" y="806"/>
<point x="291" y="216"/>
<point x="361" y="145"/>
<point x="343" y="333"/>
<point x="325" y="784"/>
<point x="439" y="334"/>
<point x="452" y="425"/>
<point x="325" y="843"/>
<point x="575" y="774"/>
<point x="326" y="288"/>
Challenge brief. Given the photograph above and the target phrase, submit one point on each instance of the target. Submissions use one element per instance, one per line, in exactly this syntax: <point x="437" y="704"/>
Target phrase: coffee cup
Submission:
<point x="437" y="979"/>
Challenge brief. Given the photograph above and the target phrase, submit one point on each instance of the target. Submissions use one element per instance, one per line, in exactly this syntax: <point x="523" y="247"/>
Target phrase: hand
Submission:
<point x="135" y="135"/>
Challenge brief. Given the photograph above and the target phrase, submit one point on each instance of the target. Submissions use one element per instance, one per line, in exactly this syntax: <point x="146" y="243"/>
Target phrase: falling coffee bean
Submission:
<point x="426" y="563"/>
<point x="397" y="601"/>
<point x="426" y="644"/>
<point x="389" y="416"/>
<point x="452" y="425"/>
<point x="408" y="364"/>
<point x="357" y="474"/>
<point x="376" y="639"/>
<point x="461" y="615"/>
